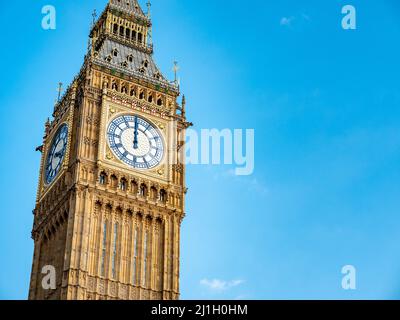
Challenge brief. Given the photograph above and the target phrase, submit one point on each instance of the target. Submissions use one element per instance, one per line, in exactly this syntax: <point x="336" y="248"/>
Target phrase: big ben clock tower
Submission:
<point x="111" y="193"/>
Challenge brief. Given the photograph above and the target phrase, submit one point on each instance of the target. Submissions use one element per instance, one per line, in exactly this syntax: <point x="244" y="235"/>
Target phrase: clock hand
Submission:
<point x="135" y="140"/>
<point x="60" y="153"/>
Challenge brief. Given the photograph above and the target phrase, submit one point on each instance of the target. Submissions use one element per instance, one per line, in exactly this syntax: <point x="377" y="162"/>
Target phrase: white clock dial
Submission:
<point x="136" y="142"/>
<point x="56" y="153"/>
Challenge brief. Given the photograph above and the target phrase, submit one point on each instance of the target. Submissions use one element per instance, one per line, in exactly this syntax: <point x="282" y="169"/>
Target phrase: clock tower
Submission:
<point x="111" y="194"/>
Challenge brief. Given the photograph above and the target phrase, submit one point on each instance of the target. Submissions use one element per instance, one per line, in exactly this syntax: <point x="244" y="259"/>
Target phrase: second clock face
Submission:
<point x="56" y="153"/>
<point x="136" y="142"/>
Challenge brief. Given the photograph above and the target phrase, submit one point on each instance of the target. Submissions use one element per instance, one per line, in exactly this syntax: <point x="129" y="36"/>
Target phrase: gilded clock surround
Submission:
<point x="48" y="182"/>
<point x="114" y="110"/>
<point x="136" y="141"/>
<point x="112" y="232"/>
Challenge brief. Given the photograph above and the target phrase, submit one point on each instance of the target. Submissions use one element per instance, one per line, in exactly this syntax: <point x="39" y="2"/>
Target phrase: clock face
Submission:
<point x="136" y="142"/>
<point x="56" y="153"/>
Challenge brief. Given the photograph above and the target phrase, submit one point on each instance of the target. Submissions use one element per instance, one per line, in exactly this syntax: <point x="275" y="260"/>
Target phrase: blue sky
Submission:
<point x="324" y="103"/>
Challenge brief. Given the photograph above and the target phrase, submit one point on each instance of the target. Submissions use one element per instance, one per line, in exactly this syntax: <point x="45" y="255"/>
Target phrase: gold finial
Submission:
<point x="148" y="9"/>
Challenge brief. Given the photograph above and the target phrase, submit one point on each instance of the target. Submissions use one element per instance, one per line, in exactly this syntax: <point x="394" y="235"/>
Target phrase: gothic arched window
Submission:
<point x="114" y="181"/>
<point x="153" y="193"/>
<point x="143" y="190"/>
<point x="134" y="187"/>
<point x="123" y="184"/>
<point x="103" y="178"/>
<point x="157" y="75"/>
<point x="163" y="196"/>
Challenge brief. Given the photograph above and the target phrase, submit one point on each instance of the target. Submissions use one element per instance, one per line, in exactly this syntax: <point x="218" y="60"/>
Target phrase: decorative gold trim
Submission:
<point x="160" y="171"/>
<point x="112" y="111"/>
<point x="161" y="125"/>
<point x="109" y="154"/>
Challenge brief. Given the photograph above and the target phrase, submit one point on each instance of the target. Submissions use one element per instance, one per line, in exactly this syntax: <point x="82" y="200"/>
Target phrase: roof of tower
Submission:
<point x="131" y="61"/>
<point x="129" y="6"/>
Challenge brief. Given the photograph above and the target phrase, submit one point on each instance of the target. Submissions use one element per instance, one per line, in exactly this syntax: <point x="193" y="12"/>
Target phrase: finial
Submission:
<point x="94" y="16"/>
<point x="149" y="32"/>
<point x="176" y="69"/>
<point x="148" y="9"/>
<point x="47" y="127"/>
<point x="60" y="84"/>
<point x="89" y="45"/>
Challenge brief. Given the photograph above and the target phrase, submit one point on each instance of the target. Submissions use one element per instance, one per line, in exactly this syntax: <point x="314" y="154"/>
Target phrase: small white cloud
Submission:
<point x="220" y="285"/>
<point x="287" y="21"/>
